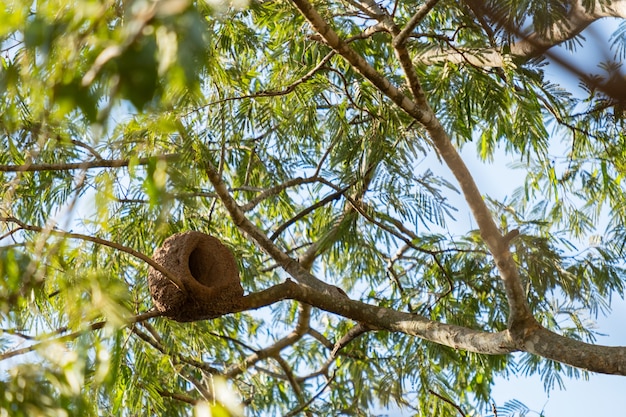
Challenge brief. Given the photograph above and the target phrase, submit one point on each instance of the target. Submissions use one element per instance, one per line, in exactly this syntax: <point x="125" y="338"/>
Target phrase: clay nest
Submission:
<point x="208" y="272"/>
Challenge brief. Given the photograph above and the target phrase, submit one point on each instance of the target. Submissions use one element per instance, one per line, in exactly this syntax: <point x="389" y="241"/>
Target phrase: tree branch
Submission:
<point x="272" y="351"/>
<point x="576" y="21"/>
<point x="354" y="333"/>
<point x="331" y="197"/>
<point x="298" y="410"/>
<point x="270" y="192"/>
<point x="287" y="90"/>
<point x="449" y="401"/>
<point x="178" y="397"/>
<point x="176" y="357"/>
<point x="480" y="57"/>
<point x="100" y="163"/>
<point x="595" y="358"/>
<point x="289" y="264"/>
<point x="457" y="337"/>
<point x="401" y="37"/>
<point x="535" y="339"/>
<point x="530" y="45"/>
<point x="69" y="337"/>
<point x="519" y="314"/>
<point x="295" y="385"/>
<point x="100" y="241"/>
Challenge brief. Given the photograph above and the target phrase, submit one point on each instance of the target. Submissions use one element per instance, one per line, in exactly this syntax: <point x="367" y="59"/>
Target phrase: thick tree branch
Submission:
<point x="535" y="339"/>
<point x="453" y="336"/>
<point x="519" y="314"/>
<point x="529" y="45"/>
<point x="595" y="358"/>
<point x="576" y="21"/>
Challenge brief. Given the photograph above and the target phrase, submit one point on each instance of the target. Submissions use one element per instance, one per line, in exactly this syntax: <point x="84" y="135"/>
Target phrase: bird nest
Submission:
<point x="208" y="272"/>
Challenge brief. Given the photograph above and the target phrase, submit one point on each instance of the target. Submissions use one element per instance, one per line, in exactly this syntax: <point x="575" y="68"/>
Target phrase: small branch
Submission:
<point x="175" y="357"/>
<point x="293" y="382"/>
<point x="354" y="333"/>
<point x="71" y="336"/>
<point x="89" y="148"/>
<point x="330" y="346"/>
<point x="289" y="89"/>
<point x="202" y="390"/>
<point x="270" y="192"/>
<point x="401" y="37"/>
<point x="233" y="340"/>
<point x="289" y="264"/>
<point x="367" y="33"/>
<point x="103" y="163"/>
<point x="99" y="241"/>
<point x="459" y="409"/>
<point x="334" y="196"/>
<point x="272" y="351"/>
<point x="178" y="397"/>
<point x="16" y="333"/>
<point x="313" y="398"/>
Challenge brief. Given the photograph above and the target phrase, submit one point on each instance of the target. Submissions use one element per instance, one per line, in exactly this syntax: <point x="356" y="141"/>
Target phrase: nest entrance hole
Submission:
<point x="203" y="267"/>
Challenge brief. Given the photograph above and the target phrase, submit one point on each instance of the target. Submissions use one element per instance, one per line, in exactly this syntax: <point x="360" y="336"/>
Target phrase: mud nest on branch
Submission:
<point x="208" y="272"/>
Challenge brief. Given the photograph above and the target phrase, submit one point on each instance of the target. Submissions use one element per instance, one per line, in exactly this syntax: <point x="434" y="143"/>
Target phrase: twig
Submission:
<point x="292" y="381"/>
<point x="282" y="92"/>
<point x="270" y="192"/>
<point x="459" y="409"/>
<point x="89" y="148"/>
<point x="175" y="357"/>
<point x="334" y="196"/>
<point x="178" y="397"/>
<point x="313" y="398"/>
